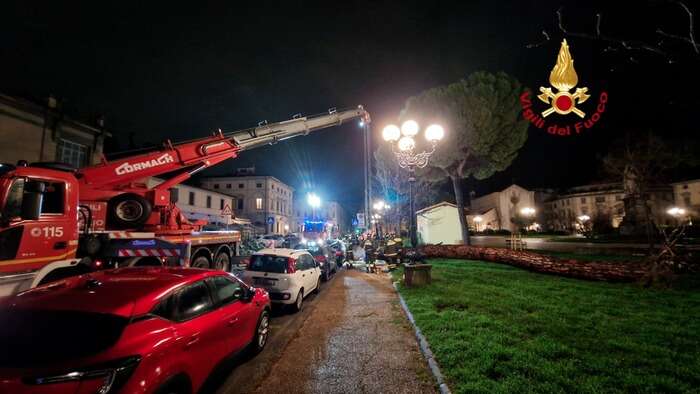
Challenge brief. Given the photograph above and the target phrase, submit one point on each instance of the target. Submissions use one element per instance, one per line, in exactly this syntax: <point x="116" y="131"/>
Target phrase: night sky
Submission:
<point x="181" y="71"/>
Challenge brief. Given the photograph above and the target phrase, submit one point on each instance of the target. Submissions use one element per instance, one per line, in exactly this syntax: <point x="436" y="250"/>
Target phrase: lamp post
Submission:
<point x="379" y="207"/>
<point x="403" y="139"/>
<point x="584" y="220"/>
<point x="477" y="222"/>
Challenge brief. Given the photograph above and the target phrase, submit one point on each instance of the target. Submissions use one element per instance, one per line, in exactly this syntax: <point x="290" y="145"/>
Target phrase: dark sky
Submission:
<point x="180" y="71"/>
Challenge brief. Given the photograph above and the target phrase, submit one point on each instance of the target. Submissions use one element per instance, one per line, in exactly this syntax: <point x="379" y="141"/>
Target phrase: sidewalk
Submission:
<point x="357" y="340"/>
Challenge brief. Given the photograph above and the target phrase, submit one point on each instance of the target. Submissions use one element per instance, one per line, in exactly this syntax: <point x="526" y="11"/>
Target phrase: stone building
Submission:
<point x="686" y="195"/>
<point x="264" y="200"/>
<point x="495" y="210"/>
<point x="42" y="132"/>
<point x="563" y="211"/>
<point x="331" y="212"/>
<point x="196" y="203"/>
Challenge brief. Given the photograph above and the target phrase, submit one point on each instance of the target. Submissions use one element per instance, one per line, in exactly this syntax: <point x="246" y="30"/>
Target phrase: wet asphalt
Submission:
<point x="351" y="338"/>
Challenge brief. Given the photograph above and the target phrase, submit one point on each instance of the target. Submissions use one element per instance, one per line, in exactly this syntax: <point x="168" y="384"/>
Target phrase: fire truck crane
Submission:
<point x="56" y="221"/>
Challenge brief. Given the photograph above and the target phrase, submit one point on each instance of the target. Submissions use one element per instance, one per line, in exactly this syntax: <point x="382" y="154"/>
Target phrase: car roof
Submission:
<point x="123" y="291"/>
<point x="285" y="252"/>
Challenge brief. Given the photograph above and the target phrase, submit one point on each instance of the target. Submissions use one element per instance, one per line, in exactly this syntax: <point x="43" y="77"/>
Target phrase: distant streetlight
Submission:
<point x="403" y="139"/>
<point x="676" y="212"/>
<point x="584" y="218"/>
<point x="478" y="220"/>
<point x="314" y="202"/>
<point x="527" y="211"/>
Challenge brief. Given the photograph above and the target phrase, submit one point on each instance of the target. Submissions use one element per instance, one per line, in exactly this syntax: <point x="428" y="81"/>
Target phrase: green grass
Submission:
<point x="496" y="328"/>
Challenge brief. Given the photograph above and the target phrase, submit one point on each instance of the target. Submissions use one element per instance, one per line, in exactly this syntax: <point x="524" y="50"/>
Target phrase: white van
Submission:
<point x="288" y="275"/>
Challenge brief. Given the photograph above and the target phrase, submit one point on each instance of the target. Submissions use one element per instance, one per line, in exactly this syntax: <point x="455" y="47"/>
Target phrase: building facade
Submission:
<point x="686" y="195"/>
<point x="265" y="200"/>
<point x="564" y="211"/>
<point x="196" y="203"/>
<point x="34" y="133"/>
<point x="494" y="211"/>
<point x="334" y="215"/>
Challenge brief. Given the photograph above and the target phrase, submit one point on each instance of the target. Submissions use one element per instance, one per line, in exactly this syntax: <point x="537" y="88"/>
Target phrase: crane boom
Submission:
<point x="196" y="155"/>
<point x="118" y="184"/>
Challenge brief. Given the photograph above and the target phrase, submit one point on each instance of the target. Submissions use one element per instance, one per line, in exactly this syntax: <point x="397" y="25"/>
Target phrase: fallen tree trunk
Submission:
<point x="618" y="271"/>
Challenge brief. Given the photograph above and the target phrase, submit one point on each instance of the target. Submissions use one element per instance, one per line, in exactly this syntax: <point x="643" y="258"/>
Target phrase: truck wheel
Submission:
<point x="128" y="210"/>
<point x="223" y="262"/>
<point x="200" y="262"/>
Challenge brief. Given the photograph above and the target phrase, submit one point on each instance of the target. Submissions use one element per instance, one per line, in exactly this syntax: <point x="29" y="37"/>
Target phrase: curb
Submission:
<point x="424" y="346"/>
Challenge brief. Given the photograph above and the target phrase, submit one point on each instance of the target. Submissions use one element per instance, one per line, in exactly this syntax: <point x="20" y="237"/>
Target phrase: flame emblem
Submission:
<point x="564" y="78"/>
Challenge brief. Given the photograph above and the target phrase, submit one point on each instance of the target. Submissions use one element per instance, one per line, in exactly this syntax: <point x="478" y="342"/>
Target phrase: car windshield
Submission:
<point x="268" y="263"/>
<point x="31" y="338"/>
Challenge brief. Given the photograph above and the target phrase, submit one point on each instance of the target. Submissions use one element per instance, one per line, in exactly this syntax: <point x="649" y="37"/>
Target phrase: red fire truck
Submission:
<point x="57" y="221"/>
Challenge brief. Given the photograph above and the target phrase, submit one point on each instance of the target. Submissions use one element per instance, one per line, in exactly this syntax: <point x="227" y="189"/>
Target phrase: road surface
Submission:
<point x="351" y="338"/>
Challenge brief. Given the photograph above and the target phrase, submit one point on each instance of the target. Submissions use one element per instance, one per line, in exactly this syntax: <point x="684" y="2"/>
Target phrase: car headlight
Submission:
<point x="108" y="377"/>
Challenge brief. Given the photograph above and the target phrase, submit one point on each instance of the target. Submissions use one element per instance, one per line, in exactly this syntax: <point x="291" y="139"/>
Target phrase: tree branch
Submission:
<point x="621" y="44"/>
<point x="691" y="29"/>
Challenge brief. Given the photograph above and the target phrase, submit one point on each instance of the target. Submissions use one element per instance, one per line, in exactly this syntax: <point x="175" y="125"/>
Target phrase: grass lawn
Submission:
<point x="496" y="328"/>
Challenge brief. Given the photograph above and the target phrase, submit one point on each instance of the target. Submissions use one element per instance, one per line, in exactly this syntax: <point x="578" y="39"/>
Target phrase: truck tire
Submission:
<point x="222" y="262"/>
<point x="128" y="210"/>
<point x="200" y="262"/>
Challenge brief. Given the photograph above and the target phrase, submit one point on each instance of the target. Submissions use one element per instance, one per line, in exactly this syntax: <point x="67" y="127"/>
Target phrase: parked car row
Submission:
<point x="130" y="330"/>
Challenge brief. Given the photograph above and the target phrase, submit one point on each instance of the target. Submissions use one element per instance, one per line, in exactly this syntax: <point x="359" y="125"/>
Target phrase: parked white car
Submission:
<point x="272" y="240"/>
<point x="288" y="275"/>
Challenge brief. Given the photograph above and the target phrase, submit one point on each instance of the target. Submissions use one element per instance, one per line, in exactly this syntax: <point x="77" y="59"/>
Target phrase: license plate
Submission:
<point x="264" y="281"/>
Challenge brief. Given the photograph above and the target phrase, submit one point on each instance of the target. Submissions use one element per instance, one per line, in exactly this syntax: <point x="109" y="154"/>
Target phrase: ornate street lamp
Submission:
<point x="403" y="139"/>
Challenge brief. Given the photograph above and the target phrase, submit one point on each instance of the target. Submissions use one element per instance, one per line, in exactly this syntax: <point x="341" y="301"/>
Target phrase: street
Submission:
<point x="350" y="338"/>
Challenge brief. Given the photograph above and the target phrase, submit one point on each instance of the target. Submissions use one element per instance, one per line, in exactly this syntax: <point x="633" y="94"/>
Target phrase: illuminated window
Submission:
<point x="258" y="203"/>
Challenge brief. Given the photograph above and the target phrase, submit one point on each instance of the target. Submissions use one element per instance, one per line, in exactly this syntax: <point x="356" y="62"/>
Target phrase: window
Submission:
<point x="221" y="204"/>
<point x="165" y="308"/>
<point x="241" y="186"/>
<point x="226" y="290"/>
<point x="686" y="200"/>
<point x="600" y="199"/>
<point x="240" y="204"/>
<point x="258" y="185"/>
<point x="216" y="186"/>
<point x="258" y="204"/>
<point x="268" y="263"/>
<point x="71" y="153"/>
<point x="228" y="185"/>
<point x="53" y="201"/>
<point x="583" y="200"/>
<point x="685" y="187"/>
<point x="618" y="197"/>
<point x="208" y="201"/>
<point x="53" y="198"/>
<point x="191" y="199"/>
<point x="300" y="263"/>
<point x="193" y="301"/>
<point x="620" y="210"/>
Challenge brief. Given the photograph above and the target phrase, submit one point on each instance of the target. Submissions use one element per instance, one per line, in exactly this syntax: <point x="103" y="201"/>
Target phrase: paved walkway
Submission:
<point x="356" y="340"/>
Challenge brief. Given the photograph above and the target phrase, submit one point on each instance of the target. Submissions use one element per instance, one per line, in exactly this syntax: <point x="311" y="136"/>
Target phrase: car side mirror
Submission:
<point x="32" y="199"/>
<point x="244" y="294"/>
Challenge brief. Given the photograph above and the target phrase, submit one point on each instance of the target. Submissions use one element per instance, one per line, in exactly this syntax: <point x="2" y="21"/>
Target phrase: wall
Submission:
<point x="23" y="123"/>
<point x="439" y="224"/>
<point x="276" y="198"/>
<point x="199" y="210"/>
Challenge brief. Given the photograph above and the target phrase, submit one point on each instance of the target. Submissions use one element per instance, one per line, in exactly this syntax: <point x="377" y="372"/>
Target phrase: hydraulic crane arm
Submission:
<point x="193" y="156"/>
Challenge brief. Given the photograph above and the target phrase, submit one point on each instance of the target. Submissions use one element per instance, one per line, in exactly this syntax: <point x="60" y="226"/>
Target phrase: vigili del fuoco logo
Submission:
<point x="560" y="101"/>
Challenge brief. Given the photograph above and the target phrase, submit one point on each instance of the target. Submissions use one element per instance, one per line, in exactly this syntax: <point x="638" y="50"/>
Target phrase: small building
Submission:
<point x="37" y="132"/>
<point x="439" y="223"/>
<point x="494" y="211"/>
